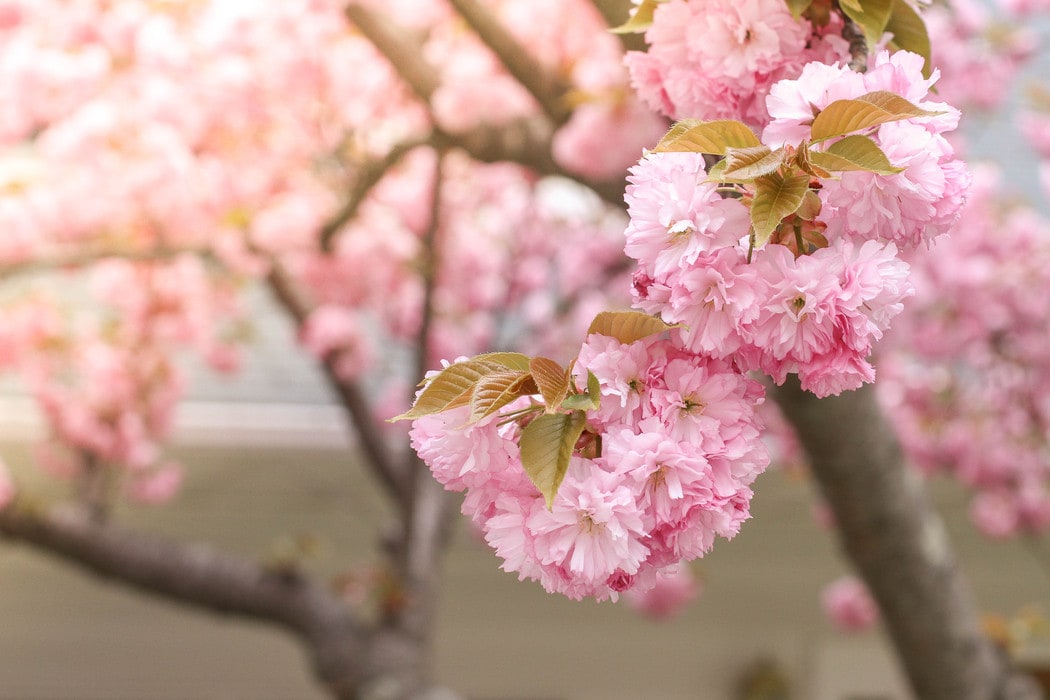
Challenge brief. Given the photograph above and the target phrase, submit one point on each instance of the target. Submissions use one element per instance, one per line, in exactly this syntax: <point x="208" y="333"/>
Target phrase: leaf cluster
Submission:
<point x="557" y="416"/>
<point x="775" y="183"/>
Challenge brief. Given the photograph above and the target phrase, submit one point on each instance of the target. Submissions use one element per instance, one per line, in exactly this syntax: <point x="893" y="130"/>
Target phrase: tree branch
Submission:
<point x="616" y="12"/>
<point x="363" y="421"/>
<point x="547" y="89"/>
<point x="898" y="544"/>
<point x="406" y="59"/>
<point x="858" y="46"/>
<point x="204" y="578"/>
<point x="367" y="177"/>
<point x="525" y="141"/>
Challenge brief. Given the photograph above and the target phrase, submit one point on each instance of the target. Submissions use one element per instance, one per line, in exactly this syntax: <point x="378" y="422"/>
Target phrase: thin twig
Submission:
<point x="367" y="177"/>
<point x="362" y="419"/>
<point x="858" y="46"/>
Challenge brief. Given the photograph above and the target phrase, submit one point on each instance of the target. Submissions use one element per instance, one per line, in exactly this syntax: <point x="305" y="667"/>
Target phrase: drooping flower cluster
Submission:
<point x="814" y="299"/>
<point x="663" y="466"/>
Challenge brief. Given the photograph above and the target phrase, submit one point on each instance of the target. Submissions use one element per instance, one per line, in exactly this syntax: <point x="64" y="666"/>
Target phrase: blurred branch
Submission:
<point x="616" y="12"/>
<point x="89" y="256"/>
<point x="367" y="177"/>
<point x="93" y="486"/>
<point x="898" y="544"/>
<point x="363" y="421"/>
<point x="525" y="141"/>
<point x="547" y="89"/>
<point x="404" y="55"/>
<point x="858" y="46"/>
<point x="429" y="265"/>
<point x="204" y="578"/>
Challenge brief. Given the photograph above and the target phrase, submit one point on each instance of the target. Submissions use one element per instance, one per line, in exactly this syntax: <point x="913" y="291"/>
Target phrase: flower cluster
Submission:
<point x="810" y="303"/>
<point x="664" y="465"/>
<point x="717" y="59"/>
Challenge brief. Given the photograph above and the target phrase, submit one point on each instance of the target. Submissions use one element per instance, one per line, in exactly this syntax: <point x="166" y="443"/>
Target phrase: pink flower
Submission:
<point x="716" y="59"/>
<point x="676" y="215"/>
<point x="849" y="605"/>
<point x="673" y="588"/>
<point x="593" y="531"/>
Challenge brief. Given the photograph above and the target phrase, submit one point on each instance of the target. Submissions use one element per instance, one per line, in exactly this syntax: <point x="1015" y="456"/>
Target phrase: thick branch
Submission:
<point x="404" y="55"/>
<point x="367" y="428"/>
<point x="898" y="544"/>
<point x="547" y="89"/>
<point x="204" y="578"/>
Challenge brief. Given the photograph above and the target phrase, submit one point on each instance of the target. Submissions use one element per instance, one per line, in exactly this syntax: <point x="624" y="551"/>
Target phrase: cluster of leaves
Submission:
<point x="556" y="418"/>
<point x="779" y="184"/>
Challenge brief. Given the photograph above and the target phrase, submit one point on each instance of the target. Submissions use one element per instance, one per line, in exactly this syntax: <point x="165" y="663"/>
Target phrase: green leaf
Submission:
<point x="510" y="360"/>
<point x="627" y="326"/>
<point x="640" y="19"/>
<point x="717" y="172"/>
<point x="811" y="206"/>
<point x="909" y="32"/>
<point x="715" y="137"/>
<point x="552" y="380"/>
<point x="547" y="444"/>
<point x="776" y="196"/>
<point x="855" y="153"/>
<point x="745" y="164"/>
<point x="845" y="116"/>
<point x="588" y="401"/>
<point x="450" y="388"/>
<point x="805" y="164"/>
<point x="870" y="15"/>
<point x="495" y="391"/>
<point x="797" y="7"/>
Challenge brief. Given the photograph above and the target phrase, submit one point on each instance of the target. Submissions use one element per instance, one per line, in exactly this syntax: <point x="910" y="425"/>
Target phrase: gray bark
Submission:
<point x="899" y="546"/>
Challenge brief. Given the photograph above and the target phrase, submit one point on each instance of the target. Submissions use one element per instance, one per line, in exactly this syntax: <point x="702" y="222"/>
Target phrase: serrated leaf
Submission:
<point x="776" y="196"/>
<point x="846" y="116"/>
<point x="626" y="326"/>
<point x="547" y="444"/>
<point x="806" y="165"/>
<point x="450" y="388"/>
<point x="717" y="172"/>
<point x="495" y="391"/>
<point x="715" y="137"/>
<point x="552" y="380"/>
<point x="640" y="19"/>
<point x="810" y="207"/>
<point x="798" y="7"/>
<point x="745" y="164"/>
<point x="895" y="104"/>
<point x="855" y="153"/>
<point x="510" y="360"/>
<point x="870" y="15"/>
<point x="909" y="33"/>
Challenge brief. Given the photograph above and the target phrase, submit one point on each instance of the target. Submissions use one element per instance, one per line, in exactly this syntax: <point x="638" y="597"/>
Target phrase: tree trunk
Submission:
<point x="898" y="544"/>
